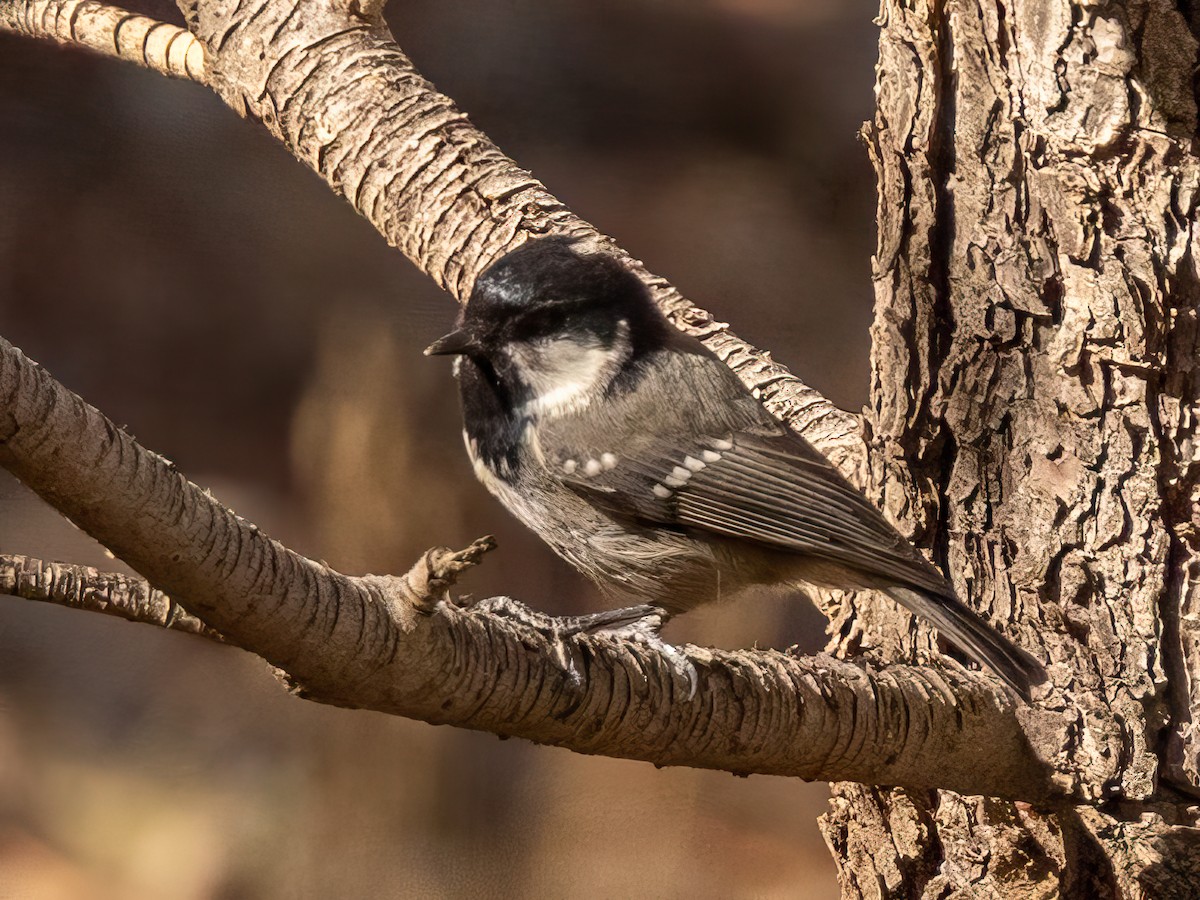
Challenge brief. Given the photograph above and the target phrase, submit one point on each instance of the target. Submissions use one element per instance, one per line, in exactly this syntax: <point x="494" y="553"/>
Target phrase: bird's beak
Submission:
<point x="456" y="343"/>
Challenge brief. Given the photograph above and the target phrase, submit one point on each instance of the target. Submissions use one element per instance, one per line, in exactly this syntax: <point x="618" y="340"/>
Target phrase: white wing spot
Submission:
<point x="592" y="467"/>
<point x="570" y="466"/>
<point x="694" y="464"/>
<point x="661" y="492"/>
<point x="711" y="456"/>
<point x="721" y="444"/>
<point x="608" y="460"/>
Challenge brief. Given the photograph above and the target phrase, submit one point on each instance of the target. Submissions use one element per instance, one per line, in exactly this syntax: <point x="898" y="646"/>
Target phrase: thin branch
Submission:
<point x="399" y="646"/>
<point x="82" y="587"/>
<point x="135" y="600"/>
<point x="109" y="30"/>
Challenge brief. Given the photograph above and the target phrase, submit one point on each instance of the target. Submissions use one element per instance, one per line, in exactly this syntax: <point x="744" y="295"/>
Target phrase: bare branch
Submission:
<point x="438" y="189"/>
<point x="397" y="645"/>
<point x="160" y="46"/>
<point x="135" y="600"/>
<point x="402" y="153"/>
<point x="399" y="151"/>
<point x="82" y="587"/>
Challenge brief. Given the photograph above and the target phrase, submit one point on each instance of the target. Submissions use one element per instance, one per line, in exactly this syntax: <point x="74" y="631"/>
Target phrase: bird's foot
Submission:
<point x="645" y="631"/>
<point x="640" y="624"/>
<point x="611" y="621"/>
<point x="625" y="622"/>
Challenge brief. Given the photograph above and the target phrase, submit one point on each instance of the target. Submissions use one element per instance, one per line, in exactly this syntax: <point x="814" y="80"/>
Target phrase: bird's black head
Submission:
<point x="546" y="288"/>
<point x="548" y="323"/>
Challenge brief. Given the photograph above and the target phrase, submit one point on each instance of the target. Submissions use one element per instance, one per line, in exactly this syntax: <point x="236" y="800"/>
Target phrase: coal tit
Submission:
<point x="642" y="460"/>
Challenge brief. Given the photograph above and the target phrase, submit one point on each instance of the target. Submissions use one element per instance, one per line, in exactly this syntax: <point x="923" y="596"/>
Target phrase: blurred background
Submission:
<point x="173" y="265"/>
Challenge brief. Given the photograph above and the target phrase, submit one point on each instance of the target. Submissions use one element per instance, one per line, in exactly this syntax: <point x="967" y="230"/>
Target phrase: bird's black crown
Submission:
<point x="547" y="287"/>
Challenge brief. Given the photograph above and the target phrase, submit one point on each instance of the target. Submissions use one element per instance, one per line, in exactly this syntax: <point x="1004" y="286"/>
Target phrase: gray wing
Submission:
<point x="771" y="489"/>
<point x="715" y="461"/>
<point x="718" y="463"/>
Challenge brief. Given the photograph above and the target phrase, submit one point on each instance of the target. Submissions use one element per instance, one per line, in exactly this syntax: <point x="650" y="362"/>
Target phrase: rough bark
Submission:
<point x="328" y="80"/>
<point x="86" y="588"/>
<point x="167" y="49"/>
<point x="1033" y="414"/>
<point x="344" y="99"/>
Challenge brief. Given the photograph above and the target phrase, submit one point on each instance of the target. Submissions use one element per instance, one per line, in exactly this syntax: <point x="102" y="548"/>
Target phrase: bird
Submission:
<point x="644" y="461"/>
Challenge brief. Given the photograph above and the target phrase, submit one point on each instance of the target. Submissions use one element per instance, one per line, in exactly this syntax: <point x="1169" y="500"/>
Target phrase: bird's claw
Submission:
<point x="683" y="670"/>
<point x="640" y="624"/>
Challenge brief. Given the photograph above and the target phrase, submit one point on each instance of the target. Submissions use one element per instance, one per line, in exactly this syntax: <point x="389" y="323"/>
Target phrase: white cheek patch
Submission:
<point x="564" y="375"/>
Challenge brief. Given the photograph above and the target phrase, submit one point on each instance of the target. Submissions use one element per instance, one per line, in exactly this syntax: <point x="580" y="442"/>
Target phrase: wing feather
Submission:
<point x="757" y="492"/>
<point x="759" y="482"/>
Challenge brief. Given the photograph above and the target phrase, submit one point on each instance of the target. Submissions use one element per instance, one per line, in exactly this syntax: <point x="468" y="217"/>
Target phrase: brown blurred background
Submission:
<point x="177" y="268"/>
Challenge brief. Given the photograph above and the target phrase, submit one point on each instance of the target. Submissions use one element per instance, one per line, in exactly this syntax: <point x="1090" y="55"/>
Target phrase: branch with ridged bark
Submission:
<point x="83" y="587"/>
<point x="111" y="31"/>
<point x="330" y="83"/>
<point x="399" y="645"/>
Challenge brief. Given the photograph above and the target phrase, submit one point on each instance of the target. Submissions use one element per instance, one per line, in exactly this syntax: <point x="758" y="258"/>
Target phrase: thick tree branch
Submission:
<point x="1064" y="132"/>
<point x="339" y="93"/>
<point x="160" y="46"/>
<point x="397" y="645"/>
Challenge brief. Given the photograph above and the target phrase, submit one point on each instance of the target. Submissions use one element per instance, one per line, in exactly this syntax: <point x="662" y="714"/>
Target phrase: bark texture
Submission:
<point x="342" y="97"/>
<point x="335" y="88"/>
<point x="82" y="587"/>
<point x="167" y="49"/>
<point x="1034" y="416"/>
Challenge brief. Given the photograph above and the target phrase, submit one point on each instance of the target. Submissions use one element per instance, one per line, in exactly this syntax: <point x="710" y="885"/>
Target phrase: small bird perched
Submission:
<point x="642" y="460"/>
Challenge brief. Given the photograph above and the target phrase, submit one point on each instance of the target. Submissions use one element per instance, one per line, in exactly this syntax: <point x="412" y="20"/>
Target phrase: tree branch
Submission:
<point x="82" y="587"/>
<point x="160" y="46"/>
<point x="399" y="646"/>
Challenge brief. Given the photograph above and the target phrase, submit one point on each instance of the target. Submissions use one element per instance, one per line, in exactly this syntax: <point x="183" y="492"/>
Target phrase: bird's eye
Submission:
<point x="542" y="324"/>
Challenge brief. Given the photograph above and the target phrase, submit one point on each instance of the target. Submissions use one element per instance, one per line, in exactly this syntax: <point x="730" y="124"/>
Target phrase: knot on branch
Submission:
<point x="439" y="569"/>
<point x="427" y="583"/>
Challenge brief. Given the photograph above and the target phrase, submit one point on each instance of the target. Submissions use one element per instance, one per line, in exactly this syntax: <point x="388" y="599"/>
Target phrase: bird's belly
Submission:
<point x="663" y="567"/>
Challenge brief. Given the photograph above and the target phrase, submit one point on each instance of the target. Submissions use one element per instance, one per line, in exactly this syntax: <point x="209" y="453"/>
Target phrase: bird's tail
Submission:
<point x="974" y="637"/>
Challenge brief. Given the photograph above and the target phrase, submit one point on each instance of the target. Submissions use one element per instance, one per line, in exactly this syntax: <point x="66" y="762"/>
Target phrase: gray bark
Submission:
<point x="1034" y="412"/>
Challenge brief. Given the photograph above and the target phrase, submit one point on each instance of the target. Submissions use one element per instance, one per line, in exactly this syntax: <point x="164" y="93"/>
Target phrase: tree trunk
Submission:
<point x="1034" y="414"/>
